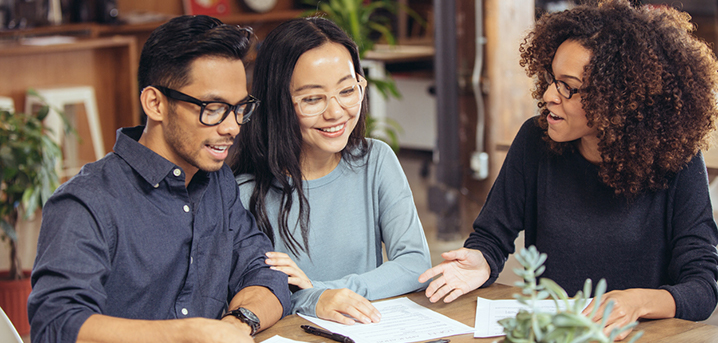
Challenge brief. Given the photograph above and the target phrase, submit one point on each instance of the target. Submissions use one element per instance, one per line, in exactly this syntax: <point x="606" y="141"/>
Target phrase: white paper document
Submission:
<point x="489" y="312"/>
<point x="280" y="339"/>
<point x="402" y="321"/>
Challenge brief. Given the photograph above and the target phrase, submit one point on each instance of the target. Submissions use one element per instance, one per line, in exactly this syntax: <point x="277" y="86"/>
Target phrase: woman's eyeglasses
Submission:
<point x="314" y="104"/>
<point x="562" y="87"/>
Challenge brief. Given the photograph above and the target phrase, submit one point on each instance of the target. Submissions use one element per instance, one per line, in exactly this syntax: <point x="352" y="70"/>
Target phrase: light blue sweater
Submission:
<point x="353" y="210"/>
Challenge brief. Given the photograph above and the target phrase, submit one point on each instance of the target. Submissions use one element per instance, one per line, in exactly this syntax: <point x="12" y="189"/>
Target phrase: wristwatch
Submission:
<point x="247" y="317"/>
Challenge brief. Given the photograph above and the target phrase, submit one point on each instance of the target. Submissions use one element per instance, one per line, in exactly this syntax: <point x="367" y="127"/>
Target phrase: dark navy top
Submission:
<point x="664" y="239"/>
<point x="126" y="238"/>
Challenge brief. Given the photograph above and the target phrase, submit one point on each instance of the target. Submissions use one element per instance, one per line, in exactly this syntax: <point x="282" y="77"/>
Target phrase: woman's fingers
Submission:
<point x="283" y="263"/>
<point x="337" y="304"/>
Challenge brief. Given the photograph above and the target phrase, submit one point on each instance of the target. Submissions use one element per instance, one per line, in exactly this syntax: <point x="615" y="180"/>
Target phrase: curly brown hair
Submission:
<point x="649" y="88"/>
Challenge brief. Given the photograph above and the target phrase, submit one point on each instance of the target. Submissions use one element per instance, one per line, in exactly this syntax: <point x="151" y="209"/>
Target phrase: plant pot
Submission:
<point x="13" y="300"/>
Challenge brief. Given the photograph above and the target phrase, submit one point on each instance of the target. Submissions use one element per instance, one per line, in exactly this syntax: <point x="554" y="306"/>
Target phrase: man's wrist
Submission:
<point x="246" y="317"/>
<point x="238" y="324"/>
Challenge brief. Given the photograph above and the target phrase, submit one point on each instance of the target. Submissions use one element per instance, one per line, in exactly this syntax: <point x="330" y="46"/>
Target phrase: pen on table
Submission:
<point x="443" y="340"/>
<point x="328" y="334"/>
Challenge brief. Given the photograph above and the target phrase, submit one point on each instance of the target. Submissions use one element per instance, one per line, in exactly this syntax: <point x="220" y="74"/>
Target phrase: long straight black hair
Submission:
<point x="270" y="145"/>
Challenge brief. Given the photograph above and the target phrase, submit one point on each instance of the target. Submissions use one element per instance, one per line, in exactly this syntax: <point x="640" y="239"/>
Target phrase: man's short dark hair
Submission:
<point x="172" y="47"/>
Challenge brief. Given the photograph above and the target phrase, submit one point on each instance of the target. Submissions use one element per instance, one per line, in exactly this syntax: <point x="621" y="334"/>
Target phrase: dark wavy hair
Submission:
<point x="649" y="88"/>
<point x="269" y="147"/>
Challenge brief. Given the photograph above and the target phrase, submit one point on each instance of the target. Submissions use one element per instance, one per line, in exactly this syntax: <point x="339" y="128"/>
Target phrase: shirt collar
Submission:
<point x="147" y="163"/>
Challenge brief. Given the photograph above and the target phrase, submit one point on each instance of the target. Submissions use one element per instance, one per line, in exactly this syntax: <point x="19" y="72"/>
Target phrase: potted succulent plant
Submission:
<point x="28" y="176"/>
<point x="567" y="324"/>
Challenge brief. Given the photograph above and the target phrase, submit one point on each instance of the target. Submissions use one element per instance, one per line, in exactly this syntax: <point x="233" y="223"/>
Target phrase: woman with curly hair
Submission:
<point x="608" y="179"/>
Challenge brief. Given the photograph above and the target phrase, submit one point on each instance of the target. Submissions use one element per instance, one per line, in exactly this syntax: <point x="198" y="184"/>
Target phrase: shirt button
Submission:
<point x="177" y="172"/>
<point x="184" y="311"/>
<point x="191" y="260"/>
<point x="186" y="208"/>
<point x="156" y="185"/>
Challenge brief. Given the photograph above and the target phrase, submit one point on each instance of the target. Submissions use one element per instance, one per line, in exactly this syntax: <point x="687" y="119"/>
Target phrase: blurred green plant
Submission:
<point x="28" y="174"/>
<point x="367" y="22"/>
<point x="387" y="127"/>
<point x="360" y="19"/>
<point x="569" y="325"/>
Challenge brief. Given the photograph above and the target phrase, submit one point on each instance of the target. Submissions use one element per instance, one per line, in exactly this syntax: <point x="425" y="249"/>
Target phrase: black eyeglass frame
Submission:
<point x="548" y="76"/>
<point x="249" y="100"/>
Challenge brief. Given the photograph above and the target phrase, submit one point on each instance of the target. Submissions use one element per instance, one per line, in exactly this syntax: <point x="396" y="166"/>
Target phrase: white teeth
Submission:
<point x="219" y="148"/>
<point x="333" y="129"/>
<point x="554" y="116"/>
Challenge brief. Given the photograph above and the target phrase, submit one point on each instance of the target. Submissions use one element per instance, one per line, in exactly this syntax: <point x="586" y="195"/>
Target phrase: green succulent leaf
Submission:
<point x="636" y="336"/>
<point x="600" y="289"/>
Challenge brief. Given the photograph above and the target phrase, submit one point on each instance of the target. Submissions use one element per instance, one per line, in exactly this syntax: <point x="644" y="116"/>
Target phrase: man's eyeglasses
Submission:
<point x="562" y="87"/>
<point x="212" y="113"/>
<point x="311" y="105"/>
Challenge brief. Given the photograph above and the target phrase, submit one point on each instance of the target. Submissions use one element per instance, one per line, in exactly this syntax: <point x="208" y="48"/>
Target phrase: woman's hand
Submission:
<point x="630" y="305"/>
<point x="337" y="304"/>
<point x="463" y="271"/>
<point x="283" y="263"/>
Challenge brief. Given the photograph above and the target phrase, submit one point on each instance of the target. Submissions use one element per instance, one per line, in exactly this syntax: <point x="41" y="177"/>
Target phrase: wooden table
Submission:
<point x="464" y="310"/>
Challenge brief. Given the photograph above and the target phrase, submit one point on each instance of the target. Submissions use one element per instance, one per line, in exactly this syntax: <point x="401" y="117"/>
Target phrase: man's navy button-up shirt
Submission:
<point x="126" y="238"/>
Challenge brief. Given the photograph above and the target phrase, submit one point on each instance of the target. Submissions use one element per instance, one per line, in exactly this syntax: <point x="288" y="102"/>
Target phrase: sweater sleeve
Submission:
<point x="304" y="301"/>
<point x="693" y="266"/>
<point x="503" y="215"/>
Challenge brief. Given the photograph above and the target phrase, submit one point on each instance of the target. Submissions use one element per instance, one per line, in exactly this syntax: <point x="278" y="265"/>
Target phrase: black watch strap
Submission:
<point x="246" y="316"/>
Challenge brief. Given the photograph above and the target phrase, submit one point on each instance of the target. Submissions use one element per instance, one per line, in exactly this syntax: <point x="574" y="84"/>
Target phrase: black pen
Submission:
<point x="443" y="340"/>
<point x="328" y="334"/>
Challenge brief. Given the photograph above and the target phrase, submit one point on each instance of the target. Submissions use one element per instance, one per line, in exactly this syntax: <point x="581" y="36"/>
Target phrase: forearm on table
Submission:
<point x="661" y="304"/>
<point x="262" y="302"/>
<point x="388" y="280"/>
<point x="105" y="329"/>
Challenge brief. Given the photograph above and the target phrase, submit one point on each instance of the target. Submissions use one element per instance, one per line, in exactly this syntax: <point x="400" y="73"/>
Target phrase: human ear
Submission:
<point x="152" y="104"/>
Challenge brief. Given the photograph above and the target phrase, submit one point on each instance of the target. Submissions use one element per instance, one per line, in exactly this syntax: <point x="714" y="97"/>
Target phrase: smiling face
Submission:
<point x="191" y="144"/>
<point x="325" y="70"/>
<point x="567" y="120"/>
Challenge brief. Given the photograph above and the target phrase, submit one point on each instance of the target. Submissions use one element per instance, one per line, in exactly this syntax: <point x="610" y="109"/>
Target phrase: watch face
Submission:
<point x="260" y="6"/>
<point x="249" y="318"/>
<point x="249" y="315"/>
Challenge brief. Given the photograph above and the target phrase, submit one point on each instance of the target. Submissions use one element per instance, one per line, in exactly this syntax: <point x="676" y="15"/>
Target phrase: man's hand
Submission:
<point x="463" y="271"/>
<point x="337" y="304"/>
<point x="283" y="263"/>
<point x="631" y="304"/>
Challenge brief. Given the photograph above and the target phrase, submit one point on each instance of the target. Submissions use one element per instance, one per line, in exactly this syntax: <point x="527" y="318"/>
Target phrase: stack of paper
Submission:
<point x="402" y="321"/>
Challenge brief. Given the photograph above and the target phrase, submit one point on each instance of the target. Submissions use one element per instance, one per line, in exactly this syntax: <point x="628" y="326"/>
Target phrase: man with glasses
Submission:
<point x="151" y="243"/>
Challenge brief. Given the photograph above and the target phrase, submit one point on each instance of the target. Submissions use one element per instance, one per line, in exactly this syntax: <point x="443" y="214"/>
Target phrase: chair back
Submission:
<point x="8" y="333"/>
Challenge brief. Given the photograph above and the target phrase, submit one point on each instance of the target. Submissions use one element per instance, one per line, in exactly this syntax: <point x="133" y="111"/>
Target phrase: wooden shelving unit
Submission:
<point x="105" y="57"/>
<point x="108" y="64"/>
